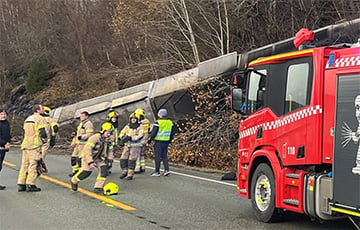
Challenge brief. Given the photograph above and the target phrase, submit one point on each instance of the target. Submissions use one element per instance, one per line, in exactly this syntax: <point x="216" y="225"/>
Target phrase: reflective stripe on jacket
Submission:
<point x="164" y="132"/>
<point x="85" y="129"/>
<point x="135" y="134"/>
<point x="32" y="126"/>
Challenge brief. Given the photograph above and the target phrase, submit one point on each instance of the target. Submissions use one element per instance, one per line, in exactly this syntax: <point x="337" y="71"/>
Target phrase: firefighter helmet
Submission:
<point x="112" y="114"/>
<point x="107" y="126"/>
<point x="47" y="111"/>
<point x="111" y="189"/>
<point x="140" y="113"/>
<point x="132" y="115"/>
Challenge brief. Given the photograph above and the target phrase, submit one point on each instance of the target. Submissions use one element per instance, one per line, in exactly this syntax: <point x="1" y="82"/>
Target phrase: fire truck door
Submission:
<point x="346" y="163"/>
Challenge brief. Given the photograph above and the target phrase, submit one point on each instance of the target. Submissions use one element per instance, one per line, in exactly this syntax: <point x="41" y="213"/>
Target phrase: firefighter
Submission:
<point x="163" y="133"/>
<point x="84" y="130"/>
<point x="140" y="159"/>
<point x="92" y="156"/>
<point x="34" y="137"/>
<point x="113" y="118"/>
<point x="51" y="130"/>
<point x="131" y="138"/>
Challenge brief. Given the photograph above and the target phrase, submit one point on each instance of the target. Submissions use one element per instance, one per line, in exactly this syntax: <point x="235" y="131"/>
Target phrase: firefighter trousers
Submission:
<point x="128" y="159"/>
<point x="28" y="173"/>
<point x="75" y="157"/>
<point x="161" y="154"/>
<point x="85" y="172"/>
<point x="140" y="160"/>
<point x="44" y="149"/>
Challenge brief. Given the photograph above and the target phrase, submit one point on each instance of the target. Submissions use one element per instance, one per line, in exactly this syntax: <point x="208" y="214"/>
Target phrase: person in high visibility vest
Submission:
<point x="34" y="137"/>
<point x="93" y="156"/>
<point x="84" y="130"/>
<point x="51" y="130"/>
<point x="162" y="133"/>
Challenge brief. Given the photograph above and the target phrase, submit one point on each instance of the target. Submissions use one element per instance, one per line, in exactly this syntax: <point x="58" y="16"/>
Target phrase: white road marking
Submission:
<point x="195" y="177"/>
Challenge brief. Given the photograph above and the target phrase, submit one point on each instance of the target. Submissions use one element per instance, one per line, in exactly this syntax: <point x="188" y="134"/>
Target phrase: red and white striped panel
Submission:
<point x="286" y="120"/>
<point x="348" y="61"/>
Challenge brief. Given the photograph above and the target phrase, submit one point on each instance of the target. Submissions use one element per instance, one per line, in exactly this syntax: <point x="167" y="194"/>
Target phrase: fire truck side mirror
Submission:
<point x="236" y="99"/>
<point x="238" y="79"/>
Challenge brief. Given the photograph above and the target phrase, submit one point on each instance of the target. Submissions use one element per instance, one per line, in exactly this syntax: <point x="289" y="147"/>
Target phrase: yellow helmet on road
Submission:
<point x="47" y="111"/>
<point x="107" y="126"/>
<point x="111" y="189"/>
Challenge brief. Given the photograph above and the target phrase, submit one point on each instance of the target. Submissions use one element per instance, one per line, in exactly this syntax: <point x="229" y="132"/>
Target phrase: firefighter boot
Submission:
<point x="131" y="169"/>
<point x="123" y="175"/>
<point x="32" y="188"/>
<point x="21" y="187"/>
<point x="137" y="167"/>
<point x="74" y="187"/>
<point x="124" y="168"/>
<point x="99" y="191"/>
<point x="130" y="174"/>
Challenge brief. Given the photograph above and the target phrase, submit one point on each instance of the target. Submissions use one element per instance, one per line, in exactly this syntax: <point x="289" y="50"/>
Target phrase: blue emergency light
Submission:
<point x="331" y="59"/>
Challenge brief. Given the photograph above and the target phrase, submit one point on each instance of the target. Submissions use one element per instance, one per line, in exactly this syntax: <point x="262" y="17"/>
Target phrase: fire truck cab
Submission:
<point x="300" y="133"/>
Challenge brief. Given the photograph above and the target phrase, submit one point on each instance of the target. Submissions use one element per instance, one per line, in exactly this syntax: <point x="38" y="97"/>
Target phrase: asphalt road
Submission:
<point x="184" y="200"/>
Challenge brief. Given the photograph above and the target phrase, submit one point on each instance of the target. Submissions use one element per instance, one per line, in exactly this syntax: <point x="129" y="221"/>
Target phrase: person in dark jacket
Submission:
<point x="162" y="132"/>
<point x="4" y="138"/>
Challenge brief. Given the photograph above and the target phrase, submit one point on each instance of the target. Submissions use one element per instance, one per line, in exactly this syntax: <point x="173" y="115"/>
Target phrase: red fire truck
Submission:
<point x="299" y="139"/>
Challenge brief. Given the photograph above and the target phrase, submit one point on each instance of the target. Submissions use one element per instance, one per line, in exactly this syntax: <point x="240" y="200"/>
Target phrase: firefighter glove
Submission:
<point x="127" y="138"/>
<point x="55" y="128"/>
<point x="52" y="141"/>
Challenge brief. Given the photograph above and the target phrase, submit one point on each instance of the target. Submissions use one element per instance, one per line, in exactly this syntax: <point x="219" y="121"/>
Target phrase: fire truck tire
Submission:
<point x="263" y="194"/>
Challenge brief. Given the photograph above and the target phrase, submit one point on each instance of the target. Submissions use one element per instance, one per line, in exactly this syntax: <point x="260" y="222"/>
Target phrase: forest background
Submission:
<point x="59" y="52"/>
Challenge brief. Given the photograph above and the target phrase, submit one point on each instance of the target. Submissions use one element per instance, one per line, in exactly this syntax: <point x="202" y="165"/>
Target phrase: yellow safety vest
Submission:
<point x="164" y="132"/>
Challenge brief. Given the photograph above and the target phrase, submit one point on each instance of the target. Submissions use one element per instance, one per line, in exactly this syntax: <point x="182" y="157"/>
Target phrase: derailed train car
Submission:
<point x="169" y="92"/>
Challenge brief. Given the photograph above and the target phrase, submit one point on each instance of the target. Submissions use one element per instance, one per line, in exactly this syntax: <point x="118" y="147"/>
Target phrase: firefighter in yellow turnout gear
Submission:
<point x="131" y="138"/>
<point x="140" y="159"/>
<point x="51" y="130"/>
<point x="113" y="118"/>
<point x="92" y="156"/>
<point x="84" y="130"/>
<point x="34" y="137"/>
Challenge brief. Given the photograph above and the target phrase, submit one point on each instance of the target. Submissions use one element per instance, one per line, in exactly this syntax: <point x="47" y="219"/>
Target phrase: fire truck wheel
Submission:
<point x="263" y="194"/>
